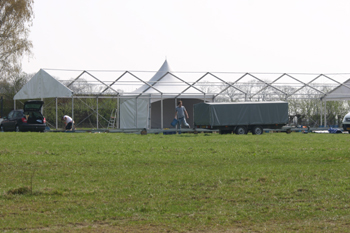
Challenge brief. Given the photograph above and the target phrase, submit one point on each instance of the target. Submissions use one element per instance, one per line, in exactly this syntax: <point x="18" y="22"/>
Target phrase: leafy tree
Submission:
<point x="15" y="20"/>
<point x="13" y="84"/>
<point x="9" y="87"/>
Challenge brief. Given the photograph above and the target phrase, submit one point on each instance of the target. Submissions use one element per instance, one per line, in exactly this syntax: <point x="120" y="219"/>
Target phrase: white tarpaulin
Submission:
<point x="342" y="92"/>
<point x="132" y="109"/>
<point x="43" y="85"/>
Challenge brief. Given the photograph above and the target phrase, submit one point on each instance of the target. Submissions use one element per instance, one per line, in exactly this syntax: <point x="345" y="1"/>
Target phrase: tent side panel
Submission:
<point x="128" y="113"/>
<point x="142" y="113"/>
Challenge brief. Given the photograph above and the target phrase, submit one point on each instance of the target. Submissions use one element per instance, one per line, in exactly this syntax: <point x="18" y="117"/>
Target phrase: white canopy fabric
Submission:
<point x="168" y="85"/>
<point x="137" y="112"/>
<point x="342" y="92"/>
<point x="134" y="113"/>
<point x="43" y="85"/>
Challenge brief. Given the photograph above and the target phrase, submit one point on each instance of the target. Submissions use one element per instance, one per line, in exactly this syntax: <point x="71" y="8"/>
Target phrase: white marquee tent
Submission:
<point x="43" y="85"/>
<point x="149" y="101"/>
<point x="342" y="92"/>
<point x="153" y="104"/>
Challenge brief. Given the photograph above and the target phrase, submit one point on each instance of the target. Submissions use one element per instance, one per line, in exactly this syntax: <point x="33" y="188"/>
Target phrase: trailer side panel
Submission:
<point x="243" y="113"/>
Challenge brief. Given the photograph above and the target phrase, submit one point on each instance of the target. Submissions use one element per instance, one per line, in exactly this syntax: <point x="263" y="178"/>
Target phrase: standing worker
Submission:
<point x="68" y="121"/>
<point x="180" y="112"/>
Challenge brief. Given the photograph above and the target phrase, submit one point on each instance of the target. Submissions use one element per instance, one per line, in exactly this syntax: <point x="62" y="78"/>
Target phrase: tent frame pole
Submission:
<point x="56" y="115"/>
<point x="175" y="108"/>
<point x="325" y="113"/>
<point x="42" y="108"/>
<point x="2" y="106"/>
<point x="97" y="112"/>
<point x="136" y="112"/>
<point x="73" y="111"/>
<point x="321" y="112"/>
<point x="118" y="109"/>
<point x="161" y="111"/>
<point x="94" y="111"/>
<point x="149" y="125"/>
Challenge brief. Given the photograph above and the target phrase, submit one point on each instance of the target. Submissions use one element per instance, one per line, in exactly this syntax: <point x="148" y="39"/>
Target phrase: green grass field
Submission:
<point x="90" y="182"/>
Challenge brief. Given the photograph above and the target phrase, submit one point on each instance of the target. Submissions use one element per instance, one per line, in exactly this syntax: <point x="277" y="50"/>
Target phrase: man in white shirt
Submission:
<point x="68" y="121"/>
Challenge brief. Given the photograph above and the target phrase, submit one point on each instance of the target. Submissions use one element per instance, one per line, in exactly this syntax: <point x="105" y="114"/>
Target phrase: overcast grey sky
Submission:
<point x="310" y="36"/>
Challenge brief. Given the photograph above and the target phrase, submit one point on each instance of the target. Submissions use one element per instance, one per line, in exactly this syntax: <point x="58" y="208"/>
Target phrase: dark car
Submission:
<point x="27" y="119"/>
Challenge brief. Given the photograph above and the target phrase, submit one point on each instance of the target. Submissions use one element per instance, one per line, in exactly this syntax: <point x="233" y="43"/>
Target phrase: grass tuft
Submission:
<point x="19" y="191"/>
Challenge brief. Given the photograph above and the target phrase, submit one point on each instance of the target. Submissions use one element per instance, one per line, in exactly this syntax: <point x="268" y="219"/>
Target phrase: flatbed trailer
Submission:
<point x="241" y="117"/>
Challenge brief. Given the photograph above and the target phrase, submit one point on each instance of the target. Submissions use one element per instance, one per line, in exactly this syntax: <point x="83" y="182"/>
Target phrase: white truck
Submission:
<point x="241" y="117"/>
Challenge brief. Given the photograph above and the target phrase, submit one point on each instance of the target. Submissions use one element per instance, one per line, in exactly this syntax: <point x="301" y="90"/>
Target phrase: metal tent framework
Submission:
<point x="120" y="85"/>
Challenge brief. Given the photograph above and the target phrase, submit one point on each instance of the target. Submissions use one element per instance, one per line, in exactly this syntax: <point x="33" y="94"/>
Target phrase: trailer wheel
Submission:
<point x="257" y="130"/>
<point x="241" y="130"/>
<point x="288" y="131"/>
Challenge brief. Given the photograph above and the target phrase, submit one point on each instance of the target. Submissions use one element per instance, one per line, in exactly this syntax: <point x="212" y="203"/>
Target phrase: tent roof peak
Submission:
<point x="43" y="85"/>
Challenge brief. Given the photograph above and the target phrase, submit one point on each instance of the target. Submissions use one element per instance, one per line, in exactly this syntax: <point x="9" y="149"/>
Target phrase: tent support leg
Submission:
<point x="321" y="111"/>
<point x="73" y="111"/>
<point x="161" y="111"/>
<point x="175" y="108"/>
<point x="42" y="108"/>
<point x="56" y="115"/>
<point x="136" y="113"/>
<point x="2" y="106"/>
<point x="118" y="109"/>
<point x="325" y="113"/>
<point x="149" y="114"/>
<point x="97" y="112"/>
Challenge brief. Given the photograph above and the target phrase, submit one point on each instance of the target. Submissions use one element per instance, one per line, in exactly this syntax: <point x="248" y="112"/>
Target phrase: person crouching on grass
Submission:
<point x="180" y="112"/>
<point x="68" y="122"/>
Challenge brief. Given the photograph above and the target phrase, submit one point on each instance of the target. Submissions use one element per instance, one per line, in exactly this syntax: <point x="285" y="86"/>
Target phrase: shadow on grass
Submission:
<point x="26" y="190"/>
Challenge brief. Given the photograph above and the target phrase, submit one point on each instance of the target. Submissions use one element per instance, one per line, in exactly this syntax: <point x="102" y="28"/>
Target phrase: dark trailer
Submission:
<point x="241" y="117"/>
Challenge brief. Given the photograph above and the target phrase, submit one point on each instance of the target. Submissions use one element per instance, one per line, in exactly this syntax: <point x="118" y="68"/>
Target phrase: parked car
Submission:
<point x="346" y="122"/>
<point x="27" y="119"/>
